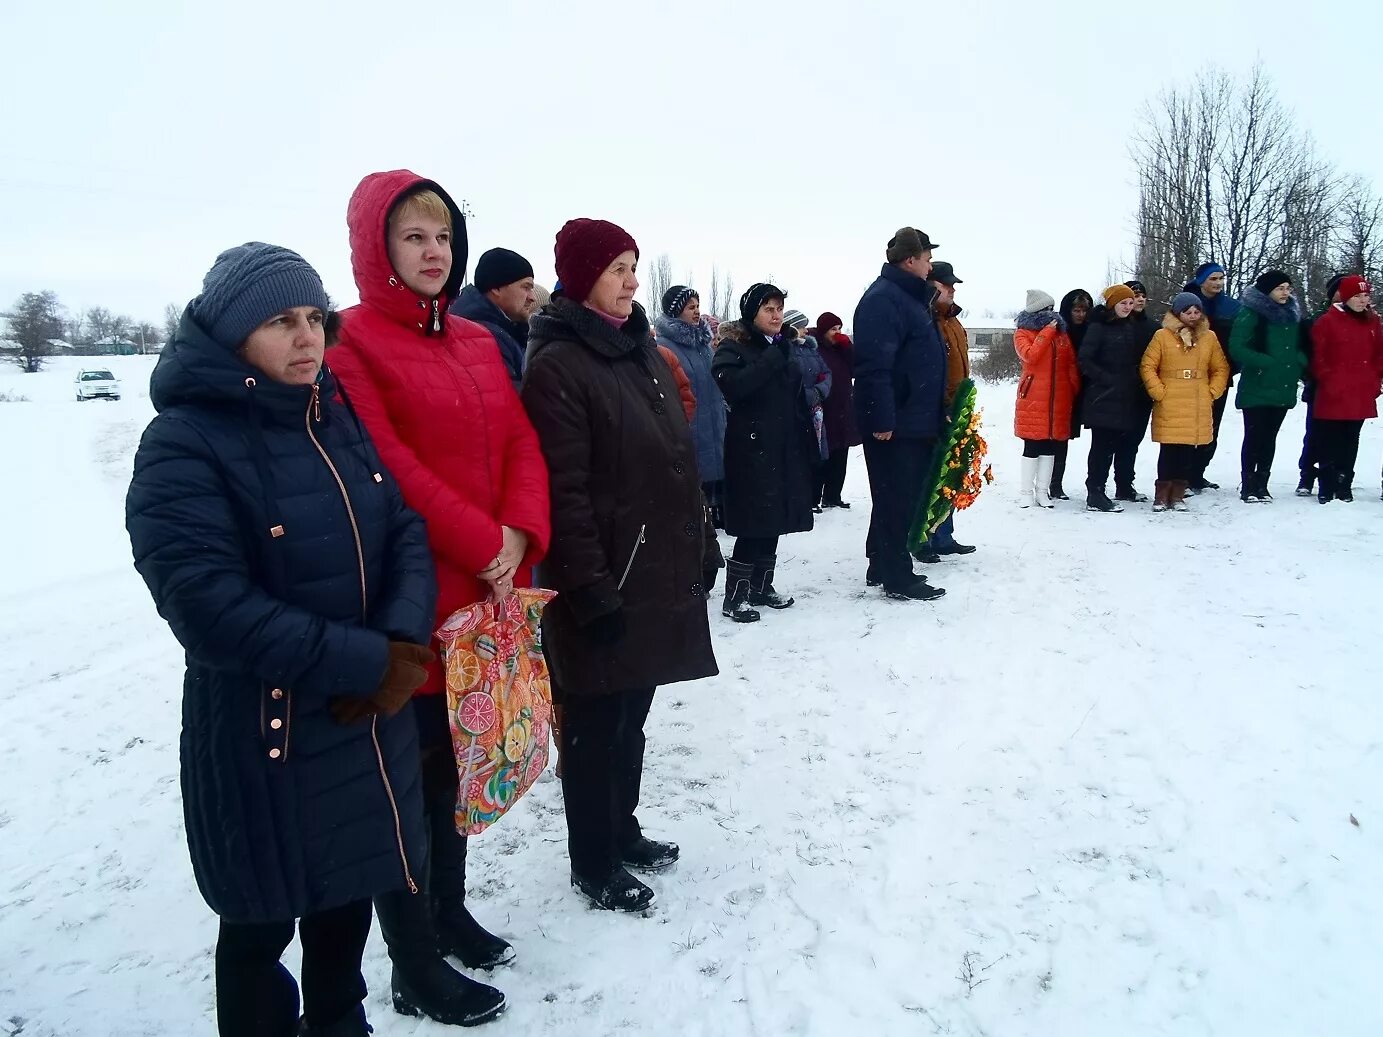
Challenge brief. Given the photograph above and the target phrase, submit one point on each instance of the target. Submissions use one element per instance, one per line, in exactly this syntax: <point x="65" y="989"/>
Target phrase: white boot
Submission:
<point x="1026" y="482"/>
<point x="1043" y="494"/>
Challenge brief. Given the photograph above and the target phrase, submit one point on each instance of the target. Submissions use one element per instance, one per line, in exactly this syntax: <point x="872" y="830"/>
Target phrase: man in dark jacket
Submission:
<point x="502" y="299"/>
<point x="1220" y="309"/>
<point x="1309" y="463"/>
<point x="900" y="391"/>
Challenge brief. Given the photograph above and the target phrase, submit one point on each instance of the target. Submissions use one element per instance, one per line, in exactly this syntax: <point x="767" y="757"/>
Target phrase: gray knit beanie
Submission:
<point x="1038" y="301"/>
<point x="250" y="283"/>
<point x="1184" y="301"/>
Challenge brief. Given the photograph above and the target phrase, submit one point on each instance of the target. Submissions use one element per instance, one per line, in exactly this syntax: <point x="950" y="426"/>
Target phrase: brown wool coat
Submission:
<point x="1185" y="371"/>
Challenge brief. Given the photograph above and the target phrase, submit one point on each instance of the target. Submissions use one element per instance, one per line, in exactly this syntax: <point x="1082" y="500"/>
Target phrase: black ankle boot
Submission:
<point x="761" y="590"/>
<point x="617" y="891"/>
<point x="644" y="854"/>
<point x="458" y="933"/>
<point x="352" y="1024"/>
<point x="423" y="982"/>
<point x="737" y="577"/>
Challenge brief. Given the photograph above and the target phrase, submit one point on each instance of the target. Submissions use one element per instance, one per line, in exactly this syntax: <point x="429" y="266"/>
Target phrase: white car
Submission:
<point x="97" y="383"/>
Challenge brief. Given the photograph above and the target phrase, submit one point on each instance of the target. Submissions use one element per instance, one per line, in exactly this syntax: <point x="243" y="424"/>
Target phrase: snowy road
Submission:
<point x="1104" y="787"/>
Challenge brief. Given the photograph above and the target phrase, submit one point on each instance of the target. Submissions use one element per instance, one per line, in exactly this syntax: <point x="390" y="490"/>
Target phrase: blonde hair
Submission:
<point x="427" y="204"/>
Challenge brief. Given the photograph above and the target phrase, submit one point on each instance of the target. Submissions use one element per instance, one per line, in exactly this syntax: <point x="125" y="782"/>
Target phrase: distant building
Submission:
<point x="982" y="340"/>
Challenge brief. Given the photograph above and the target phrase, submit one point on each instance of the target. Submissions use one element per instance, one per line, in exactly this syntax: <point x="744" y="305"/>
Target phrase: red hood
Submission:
<point x="367" y="217"/>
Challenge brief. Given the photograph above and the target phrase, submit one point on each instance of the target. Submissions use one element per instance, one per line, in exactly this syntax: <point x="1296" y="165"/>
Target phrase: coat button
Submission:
<point x="658" y="408"/>
<point x="689" y="529"/>
<point x="679" y="468"/>
<point x="696" y="590"/>
<point x="274" y="754"/>
<point x="753" y="435"/>
<point x="276" y="723"/>
<point x="277" y="693"/>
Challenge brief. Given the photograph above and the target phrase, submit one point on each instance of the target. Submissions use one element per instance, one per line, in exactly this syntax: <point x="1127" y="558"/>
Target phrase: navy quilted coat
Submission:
<point x="280" y="552"/>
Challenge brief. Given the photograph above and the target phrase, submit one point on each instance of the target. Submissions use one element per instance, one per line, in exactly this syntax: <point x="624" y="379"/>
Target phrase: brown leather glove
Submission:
<point x="405" y="674"/>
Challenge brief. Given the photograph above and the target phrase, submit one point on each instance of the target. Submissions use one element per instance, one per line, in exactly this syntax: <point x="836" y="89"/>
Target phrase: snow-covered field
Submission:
<point x="1106" y="786"/>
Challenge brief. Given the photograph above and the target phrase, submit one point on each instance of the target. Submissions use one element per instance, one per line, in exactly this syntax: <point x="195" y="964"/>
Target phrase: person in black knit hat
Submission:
<point x="502" y="298"/>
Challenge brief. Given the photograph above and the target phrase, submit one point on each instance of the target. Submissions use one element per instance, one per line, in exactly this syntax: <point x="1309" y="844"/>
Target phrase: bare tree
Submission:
<point x="146" y="334"/>
<point x="722" y="294"/>
<point x="1359" y="248"/>
<point x="34" y="321"/>
<point x="172" y="317"/>
<point x="659" y="274"/>
<point x="100" y="323"/>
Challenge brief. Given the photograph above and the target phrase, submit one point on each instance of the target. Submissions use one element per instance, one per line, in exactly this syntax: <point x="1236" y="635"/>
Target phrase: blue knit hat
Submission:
<point x="1204" y="271"/>
<point x="250" y="283"/>
<point x="1184" y="301"/>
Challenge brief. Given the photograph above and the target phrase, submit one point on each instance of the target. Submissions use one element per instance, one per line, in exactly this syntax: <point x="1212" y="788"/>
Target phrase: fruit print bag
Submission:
<point x="499" y="700"/>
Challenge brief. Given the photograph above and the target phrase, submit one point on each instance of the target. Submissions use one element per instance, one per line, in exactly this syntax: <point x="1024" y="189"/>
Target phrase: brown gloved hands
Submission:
<point x="405" y="674"/>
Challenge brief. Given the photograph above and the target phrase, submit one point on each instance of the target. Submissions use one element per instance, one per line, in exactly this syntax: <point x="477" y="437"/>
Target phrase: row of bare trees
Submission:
<point x="717" y="302"/>
<point x="1226" y="174"/>
<point x="39" y="326"/>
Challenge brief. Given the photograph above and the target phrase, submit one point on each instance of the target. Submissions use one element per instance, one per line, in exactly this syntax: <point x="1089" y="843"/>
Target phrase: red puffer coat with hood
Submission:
<point x="433" y="391"/>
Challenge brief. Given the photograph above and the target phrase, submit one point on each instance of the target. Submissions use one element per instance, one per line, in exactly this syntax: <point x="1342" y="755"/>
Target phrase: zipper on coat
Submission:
<point x="314" y="410"/>
<point x="1051" y="400"/>
<point x="436" y="316"/>
<point x="632" y="555"/>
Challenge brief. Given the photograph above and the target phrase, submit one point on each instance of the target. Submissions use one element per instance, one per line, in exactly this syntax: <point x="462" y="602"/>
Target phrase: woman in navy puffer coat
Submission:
<point x="280" y="552"/>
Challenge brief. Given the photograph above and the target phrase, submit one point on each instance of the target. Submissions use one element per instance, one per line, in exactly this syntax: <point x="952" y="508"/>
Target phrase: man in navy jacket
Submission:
<point x="900" y="389"/>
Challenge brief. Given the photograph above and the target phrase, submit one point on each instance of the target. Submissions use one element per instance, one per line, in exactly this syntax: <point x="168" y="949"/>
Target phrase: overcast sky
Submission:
<point x="783" y="139"/>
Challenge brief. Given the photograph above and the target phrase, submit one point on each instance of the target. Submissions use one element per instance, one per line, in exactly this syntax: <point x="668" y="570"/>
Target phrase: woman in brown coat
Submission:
<point x="1185" y="371"/>
<point x="629" y="548"/>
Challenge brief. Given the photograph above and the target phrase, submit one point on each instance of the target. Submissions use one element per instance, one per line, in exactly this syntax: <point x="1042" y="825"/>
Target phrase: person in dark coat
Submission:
<point x="771" y="450"/>
<point x="631" y="543"/>
<point x="1220" y="309"/>
<point x="1308" y="461"/>
<point x="501" y="298"/>
<point x="842" y="431"/>
<point x="816" y="385"/>
<point x="1075" y="311"/>
<point x="1116" y="406"/>
<point x="682" y="329"/>
<point x="281" y="554"/>
<point x="900" y="399"/>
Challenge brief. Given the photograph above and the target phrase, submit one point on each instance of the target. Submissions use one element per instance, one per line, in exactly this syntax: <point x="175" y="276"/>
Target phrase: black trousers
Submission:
<point x="897" y="470"/>
<point x="1206" y="454"/>
<point x="602" y="770"/>
<point x="1177" y="461"/>
<point x="1308" y="460"/>
<point x="1337" y="447"/>
<point x="1059" y="466"/>
<point x="1261" y="426"/>
<point x="755" y="550"/>
<point x="831" y="477"/>
<point x="1043" y="448"/>
<point x="256" y="995"/>
<point x="1112" y="446"/>
<point x="714" y="492"/>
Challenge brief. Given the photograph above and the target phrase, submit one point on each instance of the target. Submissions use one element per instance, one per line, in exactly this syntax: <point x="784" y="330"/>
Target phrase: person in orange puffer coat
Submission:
<point x="433" y="392"/>
<point x="1046" y="392"/>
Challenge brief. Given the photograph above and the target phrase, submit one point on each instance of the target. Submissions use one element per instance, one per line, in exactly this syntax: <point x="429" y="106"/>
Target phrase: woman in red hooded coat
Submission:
<point x="433" y="391"/>
<point x="1347" y="365"/>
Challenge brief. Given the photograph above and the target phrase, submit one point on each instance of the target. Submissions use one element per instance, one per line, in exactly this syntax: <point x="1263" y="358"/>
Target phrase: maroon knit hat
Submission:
<point x="827" y="321"/>
<point x="1353" y="285"/>
<point x="584" y="249"/>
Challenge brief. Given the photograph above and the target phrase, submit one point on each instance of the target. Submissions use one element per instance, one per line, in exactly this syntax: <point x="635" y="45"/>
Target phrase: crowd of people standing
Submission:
<point x="318" y="491"/>
<point x="1109" y="368"/>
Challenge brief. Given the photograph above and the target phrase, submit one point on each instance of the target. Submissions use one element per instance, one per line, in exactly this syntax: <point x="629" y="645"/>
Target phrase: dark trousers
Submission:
<point x="1205" y="454"/>
<point x="1059" y="467"/>
<point x="755" y="550"/>
<point x="602" y="769"/>
<point x="897" y="470"/>
<point x="1177" y="461"/>
<point x="1337" y="447"/>
<point x="256" y="995"/>
<point x="714" y="492"/>
<point x="1112" y="446"/>
<point x="1261" y="426"/>
<point x="1308" y="460"/>
<point x="831" y="477"/>
<point x="1043" y="448"/>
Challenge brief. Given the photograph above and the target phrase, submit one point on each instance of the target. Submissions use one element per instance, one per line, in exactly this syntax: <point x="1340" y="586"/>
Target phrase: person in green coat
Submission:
<point x="1266" y="343"/>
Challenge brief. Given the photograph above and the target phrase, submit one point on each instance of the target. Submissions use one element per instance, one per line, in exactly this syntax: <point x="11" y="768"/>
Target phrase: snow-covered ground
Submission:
<point x="1104" y="787"/>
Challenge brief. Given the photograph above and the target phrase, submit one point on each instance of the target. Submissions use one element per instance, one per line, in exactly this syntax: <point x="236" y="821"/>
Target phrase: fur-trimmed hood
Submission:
<point x="738" y="331"/>
<point x="1188" y="337"/>
<point x="1272" y="312"/>
<point x="680" y="333"/>
<point x="1026" y="321"/>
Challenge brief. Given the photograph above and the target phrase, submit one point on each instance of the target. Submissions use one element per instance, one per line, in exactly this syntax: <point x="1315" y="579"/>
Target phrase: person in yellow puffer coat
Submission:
<point x="1185" y="371"/>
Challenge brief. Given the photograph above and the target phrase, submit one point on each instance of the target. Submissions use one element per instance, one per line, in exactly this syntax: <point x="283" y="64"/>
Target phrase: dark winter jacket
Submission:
<point x="280" y="552"/>
<point x="816" y="384"/>
<point x="1110" y="356"/>
<point x="1347" y="362"/>
<point x="900" y="360"/>
<point x="770" y="446"/>
<point x="1077" y="336"/>
<point x="1265" y="346"/>
<point x="842" y="430"/>
<point x="1221" y="311"/>
<point x="511" y="336"/>
<point x="692" y="344"/>
<point x="629" y="530"/>
<point x="438" y="402"/>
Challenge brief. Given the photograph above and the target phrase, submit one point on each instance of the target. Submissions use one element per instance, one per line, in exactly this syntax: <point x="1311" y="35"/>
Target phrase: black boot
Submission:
<point x="1097" y="500"/>
<point x="423" y="982"/>
<point x="1307" y="483"/>
<point x="917" y="590"/>
<point x="1128" y="493"/>
<point x="645" y="854"/>
<point x="617" y="891"/>
<point x="1344" y="487"/>
<point x="352" y="1024"/>
<point x="1263" y="495"/>
<point x="1325" y="484"/>
<point x="737" y="577"/>
<point x="926" y="555"/>
<point x="761" y="590"/>
<point x="458" y="933"/>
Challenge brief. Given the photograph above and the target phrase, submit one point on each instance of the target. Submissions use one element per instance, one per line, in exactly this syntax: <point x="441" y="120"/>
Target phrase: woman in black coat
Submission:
<point x="1115" y="406"/>
<point x="1075" y="311"/>
<point x="771" y="452"/>
<point x="632" y="549"/>
<point x="281" y="554"/>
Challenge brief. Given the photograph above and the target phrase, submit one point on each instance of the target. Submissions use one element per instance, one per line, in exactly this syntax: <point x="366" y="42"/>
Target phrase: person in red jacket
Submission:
<point x="1347" y="365"/>
<point x="1046" y="392"/>
<point x="434" y="393"/>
